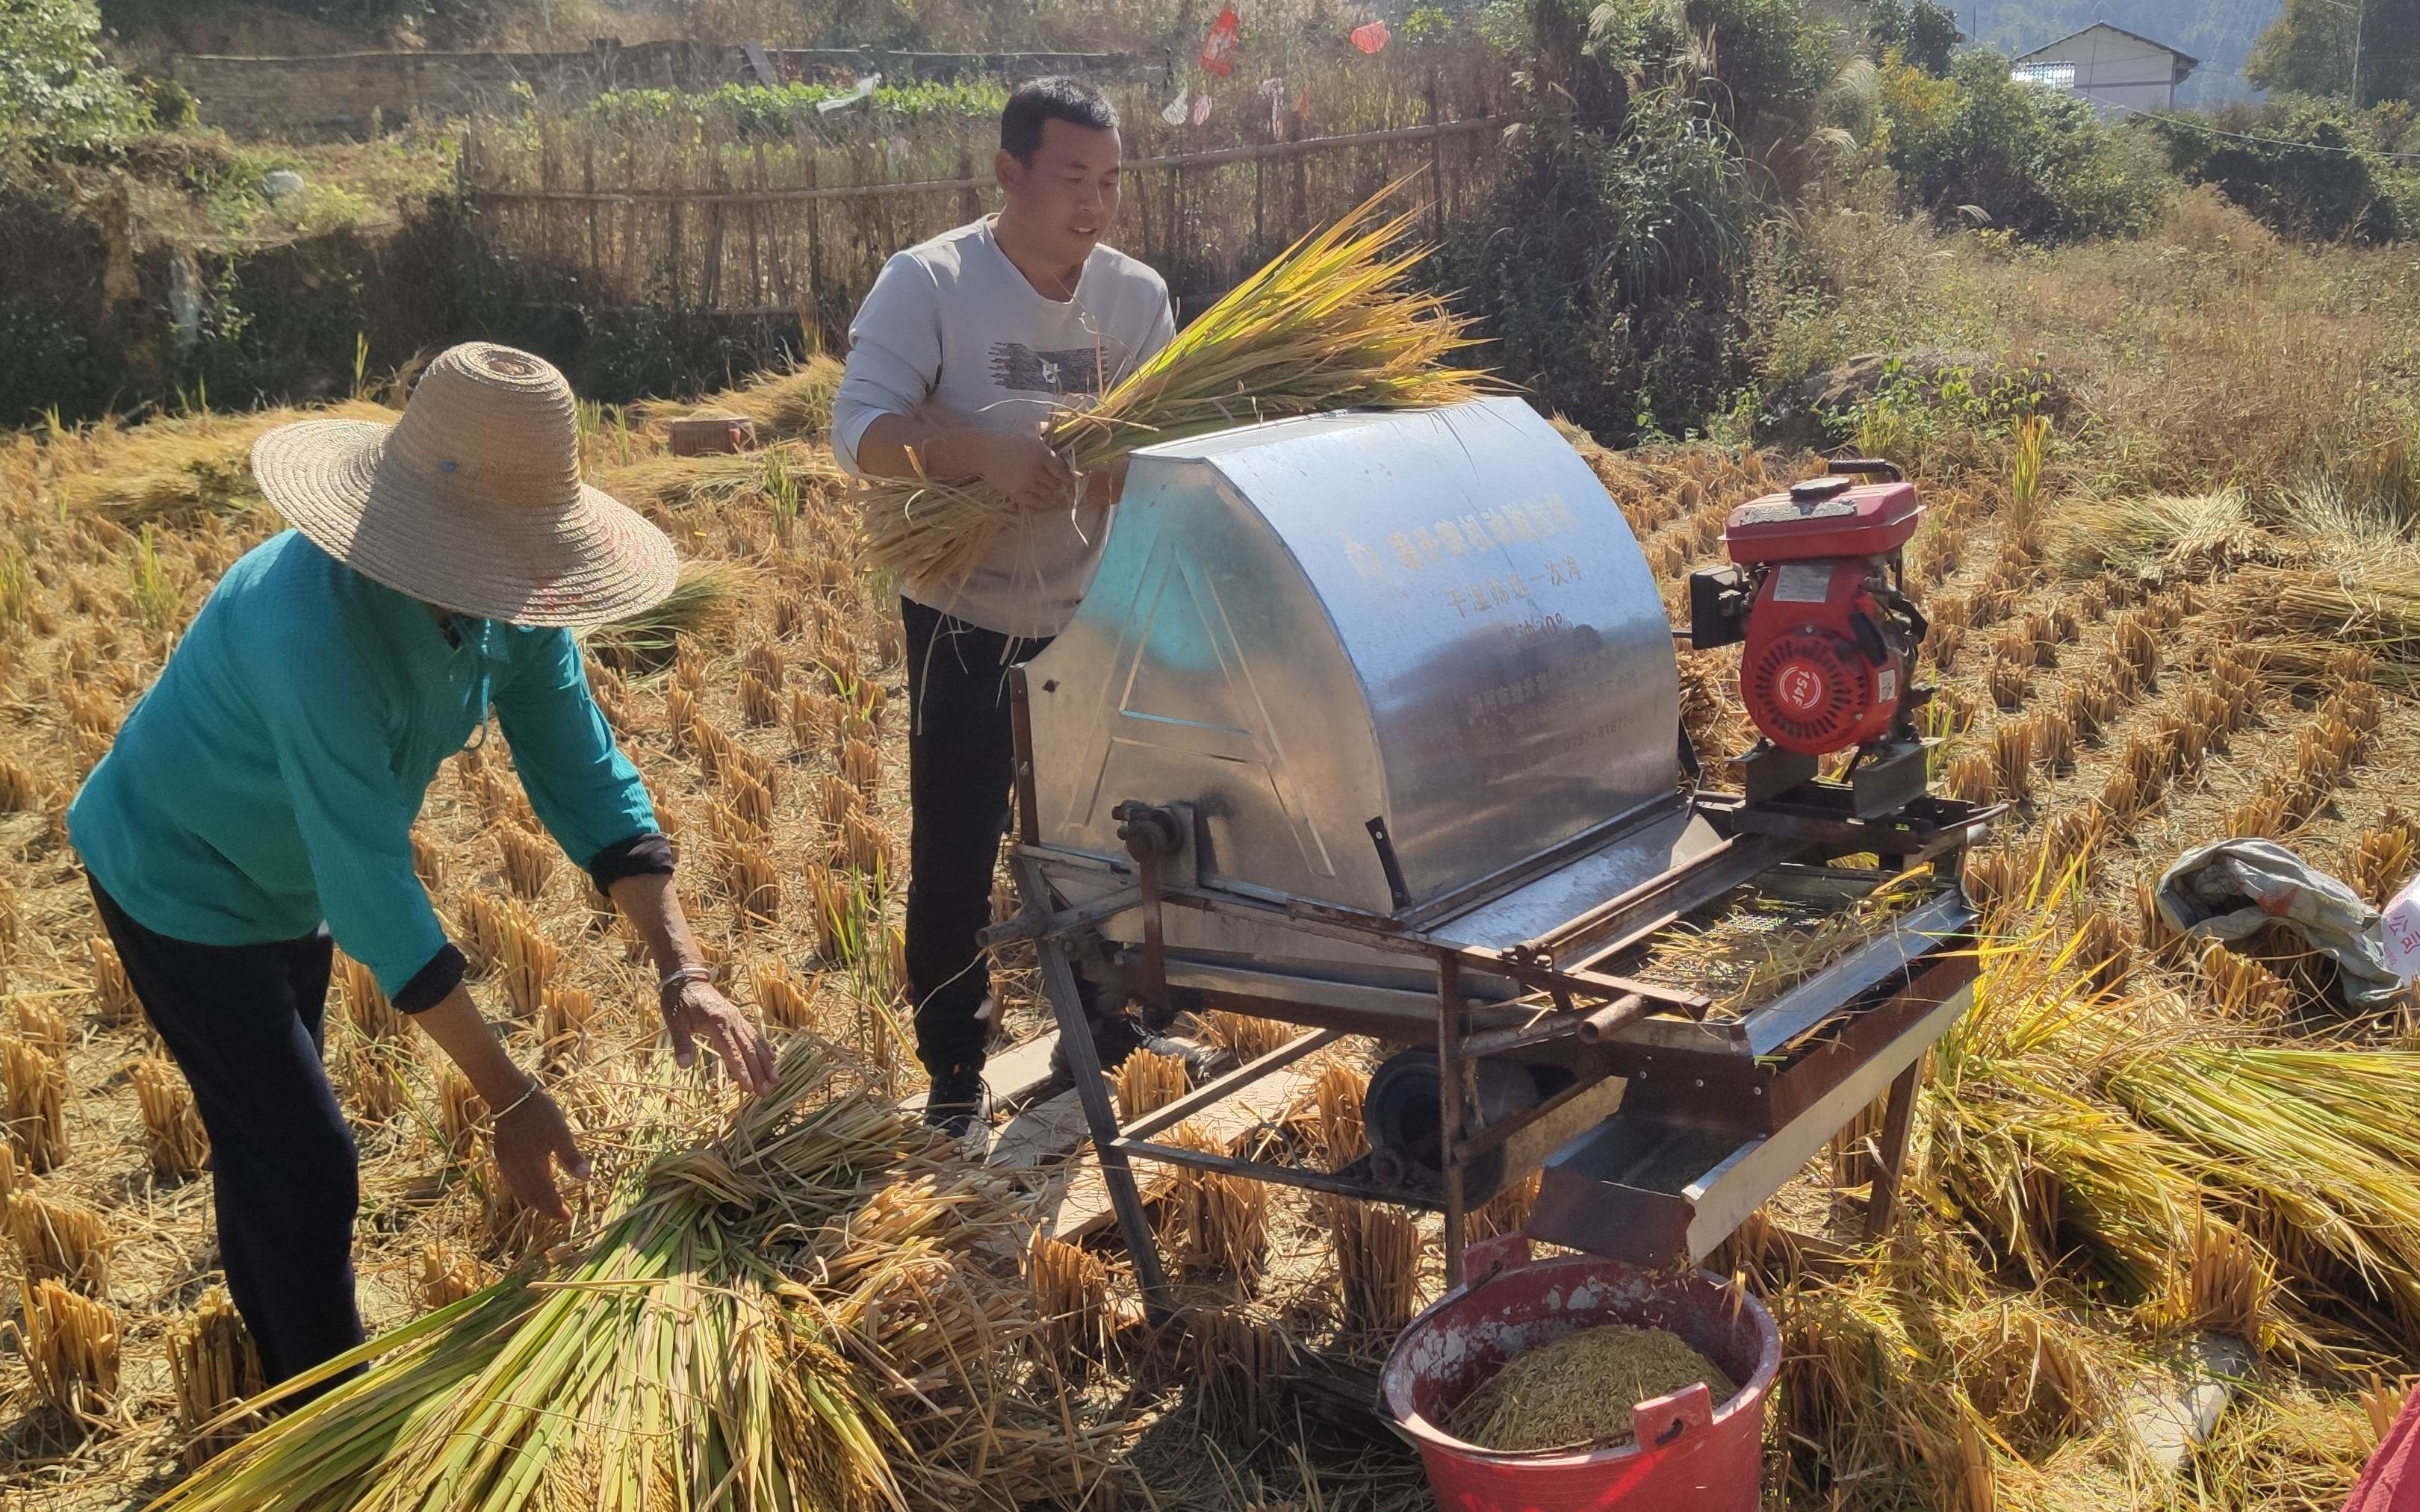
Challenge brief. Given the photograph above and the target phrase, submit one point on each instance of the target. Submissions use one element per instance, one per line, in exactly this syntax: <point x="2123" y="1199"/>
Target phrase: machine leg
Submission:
<point x="1450" y="1103"/>
<point x="1897" y="1115"/>
<point x="1101" y="1117"/>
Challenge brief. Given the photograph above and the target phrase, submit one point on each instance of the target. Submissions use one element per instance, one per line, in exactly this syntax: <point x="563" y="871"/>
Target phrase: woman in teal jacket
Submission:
<point x="257" y="806"/>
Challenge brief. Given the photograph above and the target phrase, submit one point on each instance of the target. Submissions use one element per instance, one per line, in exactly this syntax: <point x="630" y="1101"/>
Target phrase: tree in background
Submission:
<point x="1925" y="32"/>
<point x="2306" y="165"/>
<point x="55" y="88"/>
<point x="2313" y="47"/>
<point x="1609" y="264"/>
<point x="1976" y="145"/>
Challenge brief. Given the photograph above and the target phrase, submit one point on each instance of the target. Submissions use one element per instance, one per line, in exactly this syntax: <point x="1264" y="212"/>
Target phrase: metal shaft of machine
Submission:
<point x="1451" y="1028"/>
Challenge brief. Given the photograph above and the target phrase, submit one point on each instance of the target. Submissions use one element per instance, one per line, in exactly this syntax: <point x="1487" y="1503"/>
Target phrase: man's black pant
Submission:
<point x="961" y="766"/>
<point x="243" y="1025"/>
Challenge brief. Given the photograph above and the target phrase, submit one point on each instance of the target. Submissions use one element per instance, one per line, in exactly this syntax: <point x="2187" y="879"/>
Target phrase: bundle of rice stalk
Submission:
<point x="529" y="959"/>
<point x="172" y="1128"/>
<point x="2375" y="608"/>
<point x="1332" y="323"/>
<point x="1377" y="1262"/>
<point x="2164" y="535"/>
<point x="480" y="923"/>
<point x="172" y="467"/>
<point x="447" y="1276"/>
<point x="111" y="990"/>
<point x="1071" y="1296"/>
<point x="1741" y="961"/>
<point x="1147" y="1081"/>
<point x="44" y="1028"/>
<point x="366" y="1074"/>
<point x="793" y="401"/>
<point x="214" y="1363"/>
<point x="1337" y="1095"/>
<point x="36" y="1092"/>
<point x="1244" y="1037"/>
<point x="1217" y="1224"/>
<point x="702" y="604"/>
<point x="2319" y="1142"/>
<point x="529" y="861"/>
<point x="59" y="1239"/>
<point x="778" y="1309"/>
<point x="564" y="1015"/>
<point x="785" y="1001"/>
<point x="21" y="791"/>
<point x="1235" y="1362"/>
<point x="366" y="1008"/>
<point x="69" y="1344"/>
<point x="2036" y="1163"/>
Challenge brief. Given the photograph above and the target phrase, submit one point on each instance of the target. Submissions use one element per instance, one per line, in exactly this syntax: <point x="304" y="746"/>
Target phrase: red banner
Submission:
<point x="1218" y="48"/>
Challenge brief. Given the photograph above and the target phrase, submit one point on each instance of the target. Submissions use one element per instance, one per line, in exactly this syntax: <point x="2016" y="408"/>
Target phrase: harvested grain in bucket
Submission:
<point x="1577" y="1392"/>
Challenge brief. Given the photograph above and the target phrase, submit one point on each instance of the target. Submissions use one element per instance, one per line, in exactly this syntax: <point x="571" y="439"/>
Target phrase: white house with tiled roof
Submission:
<point x="2111" y="66"/>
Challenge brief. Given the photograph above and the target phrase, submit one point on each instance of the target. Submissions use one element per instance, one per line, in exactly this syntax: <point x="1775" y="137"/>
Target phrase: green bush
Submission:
<point x="1923" y="32"/>
<point x="2034" y="162"/>
<point x="1606" y="270"/>
<point x="2306" y="166"/>
<point x="55" y="88"/>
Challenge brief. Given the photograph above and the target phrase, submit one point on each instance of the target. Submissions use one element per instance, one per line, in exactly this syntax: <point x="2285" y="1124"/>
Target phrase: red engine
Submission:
<point x="1814" y="591"/>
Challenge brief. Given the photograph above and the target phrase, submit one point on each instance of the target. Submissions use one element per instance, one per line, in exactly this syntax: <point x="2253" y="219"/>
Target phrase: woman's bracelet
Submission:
<point x="514" y="1106"/>
<point x="684" y="974"/>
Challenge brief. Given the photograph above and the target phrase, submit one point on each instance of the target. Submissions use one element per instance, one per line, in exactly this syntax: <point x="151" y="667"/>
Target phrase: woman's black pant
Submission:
<point x="244" y="1024"/>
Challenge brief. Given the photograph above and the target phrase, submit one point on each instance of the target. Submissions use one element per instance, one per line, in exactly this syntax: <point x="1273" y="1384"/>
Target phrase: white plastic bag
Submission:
<point x="2232" y="888"/>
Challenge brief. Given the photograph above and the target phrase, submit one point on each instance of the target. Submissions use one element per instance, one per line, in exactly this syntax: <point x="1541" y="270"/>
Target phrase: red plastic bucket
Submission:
<point x="1692" y="1454"/>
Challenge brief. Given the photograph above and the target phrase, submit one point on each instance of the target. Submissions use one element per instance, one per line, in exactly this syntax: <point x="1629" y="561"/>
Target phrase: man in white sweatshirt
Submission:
<point x="965" y="347"/>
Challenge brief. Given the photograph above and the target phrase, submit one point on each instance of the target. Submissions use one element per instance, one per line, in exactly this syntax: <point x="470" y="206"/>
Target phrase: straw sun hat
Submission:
<point x="472" y="500"/>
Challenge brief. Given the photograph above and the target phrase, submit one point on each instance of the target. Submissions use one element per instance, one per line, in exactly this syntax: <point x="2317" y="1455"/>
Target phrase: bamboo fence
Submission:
<point x="693" y="215"/>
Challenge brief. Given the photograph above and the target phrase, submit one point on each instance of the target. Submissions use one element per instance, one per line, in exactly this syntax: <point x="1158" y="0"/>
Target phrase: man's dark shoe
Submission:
<point x="955" y="1101"/>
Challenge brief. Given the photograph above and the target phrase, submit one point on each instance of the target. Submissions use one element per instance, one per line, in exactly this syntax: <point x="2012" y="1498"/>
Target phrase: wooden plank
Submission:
<point x="1075" y="1201"/>
<point x="1014" y="1075"/>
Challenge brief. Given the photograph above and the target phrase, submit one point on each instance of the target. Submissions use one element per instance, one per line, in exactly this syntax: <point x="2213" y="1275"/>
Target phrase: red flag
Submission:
<point x="1371" y="38"/>
<point x="1218" y="48"/>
